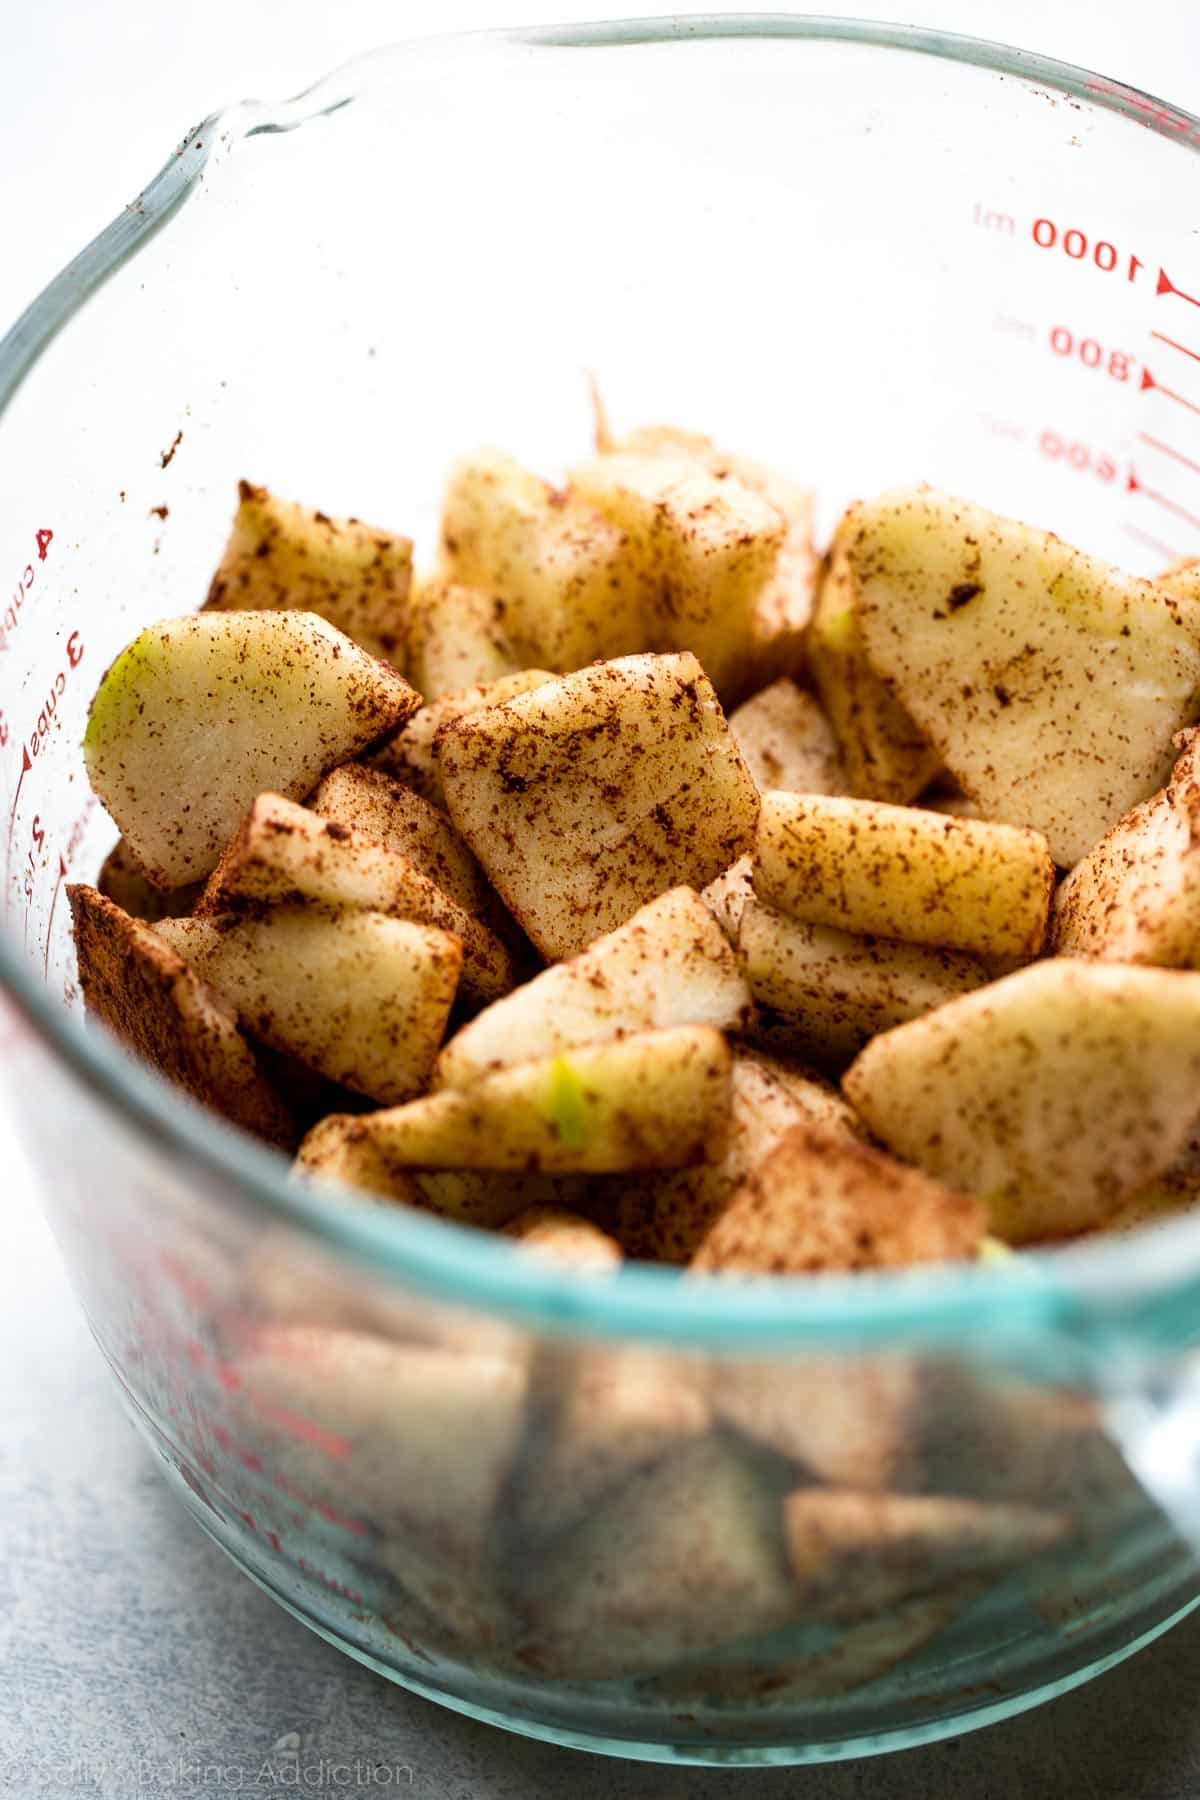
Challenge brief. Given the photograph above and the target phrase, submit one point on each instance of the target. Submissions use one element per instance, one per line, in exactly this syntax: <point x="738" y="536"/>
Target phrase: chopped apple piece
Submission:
<point x="598" y="1416"/>
<point x="571" y="590"/>
<point x="850" y="1422"/>
<point x="788" y="742"/>
<point x="686" y="1556"/>
<point x="284" y="852"/>
<point x="825" y="993"/>
<point x="597" y="792"/>
<point x="1136" y="897"/>
<point x="823" y="1203"/>
<point x="669" y="965"/>
<point x="728" y="893"/>
<point x="853" y="1554"/>
<point x="359" y="997"/>
<point x="412" y="754"/>
<point x="121" y="880"/>
<point x="885" y="754"/>
<point x="1051" y="1094"/>
<point x="1051" y="683"/>
<point x="375" y="803"/>
<point x="663" y="1218"/>
<point x="218" y="707"/>
<point x="456" y="638"/>
<point x="412" y="1439"/>
<point x="775" y="646"/>
<point x="705" y="546"/>
<point x="897" y="872"/>
<point x="153" y="1000"/>
<point x="656" y="1101"/>
<point x="282" y="556"/>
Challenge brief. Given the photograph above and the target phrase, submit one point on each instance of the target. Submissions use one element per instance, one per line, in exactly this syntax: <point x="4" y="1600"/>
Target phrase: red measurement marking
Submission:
<point x="1077" y="456"/>
<point x="26" y="765"/>
<point x="1169" y="450"/>
<point x="1144" y="537"/>
<point x="1134" y="486"/>
<point x="1170" y="342"/>
<point x="1167" y="286"/>
<point x="1091" y="353"/>
<point x="62" y="875"/>
<point x="1075" y="244"/>
<point x="329" y="1443"/>
<point x="1148" y="381"/>
<point x="192" y="1286"/>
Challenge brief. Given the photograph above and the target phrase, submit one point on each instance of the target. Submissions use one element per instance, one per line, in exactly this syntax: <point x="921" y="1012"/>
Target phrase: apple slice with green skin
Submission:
<point x="1051" y="683"/>
<point x="659" y="1100"/>
<point x="198" y="715"/>
<point x="357" y="996"/>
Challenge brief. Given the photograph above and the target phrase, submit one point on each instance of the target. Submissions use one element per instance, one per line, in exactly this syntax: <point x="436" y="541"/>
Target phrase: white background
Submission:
<point x="93" y="96"/>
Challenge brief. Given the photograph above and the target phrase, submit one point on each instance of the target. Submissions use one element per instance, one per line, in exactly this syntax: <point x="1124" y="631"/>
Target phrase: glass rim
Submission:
<point x="458" y="1264"/>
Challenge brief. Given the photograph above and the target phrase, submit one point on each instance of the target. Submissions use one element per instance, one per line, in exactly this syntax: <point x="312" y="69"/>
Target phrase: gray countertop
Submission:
<point x="135" y="1658"/>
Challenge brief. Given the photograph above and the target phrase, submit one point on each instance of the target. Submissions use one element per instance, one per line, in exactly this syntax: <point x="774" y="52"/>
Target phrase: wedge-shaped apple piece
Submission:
<point x="897" y="872"/>
<point x="686" y="1556"/>
<point x="1136" y="897"/>
<point x="456" y="638"/>
<point x="656" y="1101"/>
<point x="825" y="993"/>
<point x="775" y="646"/>
<point x="1052" y="1093"/>
<point x="281" y="555"/>
<point x="885" y="754"/>
<point x="1051" y="683"/>
<point x="854" y="1554"/>
<point x="572" y="591"/>
<point x="598" y="1415"/>
<point x="412" y="754"/>
<point x="788" y="742"/>
<point x="705" y="546"/>
<point x="664" y="1218"/>
<point x="822" y="1202"/>
<point x="359" y="997"/>
<point x="375" y="803"/>
<point x="849" y="1422"/>
<point x="565" y="1238"/>
<point x="215" y="708"/>
<point x="728" y="893"/>
<point x="597" y="792"/>
<point x="283" y="852"/>
<point x="412" y="1439"/>
<point x="486" y="1198"/>
<point x="670" y="965"/>
<point x="122" y="881"/>
<point x="159" y="1005"/>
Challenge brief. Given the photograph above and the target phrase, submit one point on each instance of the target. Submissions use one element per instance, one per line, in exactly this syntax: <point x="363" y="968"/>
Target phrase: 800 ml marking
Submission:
<point x="1091" y="353"/>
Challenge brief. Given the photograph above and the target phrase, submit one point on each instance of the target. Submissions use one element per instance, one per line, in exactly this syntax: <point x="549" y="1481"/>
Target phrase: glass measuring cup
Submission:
<point x="866" y="254"/>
